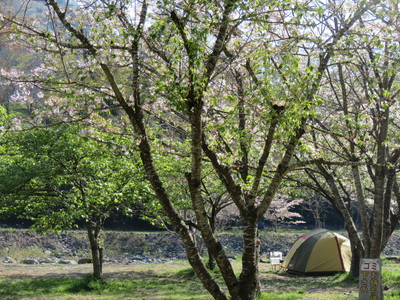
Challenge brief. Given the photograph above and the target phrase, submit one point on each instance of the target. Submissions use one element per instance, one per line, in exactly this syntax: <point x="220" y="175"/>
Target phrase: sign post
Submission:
<point x="370" y="281"/>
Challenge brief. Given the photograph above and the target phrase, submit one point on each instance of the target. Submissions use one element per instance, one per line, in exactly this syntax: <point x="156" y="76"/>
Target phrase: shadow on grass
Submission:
<point x="88" y="284"/>
<point x="282" y="285"/>
<point x="16" y="289"/>
<point x="134" y="285"/>
<point x="13" y="288"/>
<point x="283" y="281"/>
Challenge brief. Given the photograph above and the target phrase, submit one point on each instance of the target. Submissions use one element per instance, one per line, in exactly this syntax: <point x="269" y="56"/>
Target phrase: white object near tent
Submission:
<point x="275" y="258"/>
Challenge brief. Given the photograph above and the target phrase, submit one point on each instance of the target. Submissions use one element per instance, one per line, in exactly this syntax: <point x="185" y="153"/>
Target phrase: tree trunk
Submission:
<point x="362" y="209"/>
<point x="317" y="217"/>
<point x="390" y="219"/>
<point x="249" y="278"/>
<point x="211" y="261"/>
<point x="357" y="254"/>
<point x="96" y="249"/>
<point x="181" y="229"/>
<point x="379" y="188"/>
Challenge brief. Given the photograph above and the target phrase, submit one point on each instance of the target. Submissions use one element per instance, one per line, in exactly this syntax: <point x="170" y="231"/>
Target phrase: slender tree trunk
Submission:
<point x="379" y="188"/>
<point x="377" y="222"/>
<point x="96" y="249"/>
<point x="356" y="255"/>
<point x="101" y="259"/>
<point x="390" y="219"/>
<point x="394" y="217"/>
<point x="363" y="209"/>
<point x="211" y="260"/>
<point x="258" y="246"/>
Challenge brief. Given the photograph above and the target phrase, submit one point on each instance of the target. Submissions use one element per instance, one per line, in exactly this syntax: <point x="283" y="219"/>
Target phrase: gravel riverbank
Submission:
<point x="131" y="247"/>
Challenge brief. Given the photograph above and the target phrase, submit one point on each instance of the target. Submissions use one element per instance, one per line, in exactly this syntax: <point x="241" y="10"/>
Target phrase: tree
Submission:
<point x="56" y="177"/>
<point x="279" y="211"/>
<point x="358" y="136"/>
<point x="231" y="76"/>
<point x="318" y="207"/>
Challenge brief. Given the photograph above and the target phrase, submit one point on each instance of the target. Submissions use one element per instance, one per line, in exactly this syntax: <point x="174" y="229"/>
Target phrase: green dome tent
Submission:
<point x="317" y="252"/>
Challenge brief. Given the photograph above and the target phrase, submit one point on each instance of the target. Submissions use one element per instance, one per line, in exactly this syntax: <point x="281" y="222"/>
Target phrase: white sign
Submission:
<point x="372" y="265"/>
<point x="370" y="279"/>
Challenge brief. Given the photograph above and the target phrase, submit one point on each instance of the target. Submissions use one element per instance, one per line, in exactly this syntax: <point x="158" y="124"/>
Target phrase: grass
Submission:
<point x="281" y="285"/>
<point x="146" y="281"/>
<point x="173" y="281"/>
<point x="286" y="296"/>
<point x="32" y="252"/>
<point x="391" y="278"/>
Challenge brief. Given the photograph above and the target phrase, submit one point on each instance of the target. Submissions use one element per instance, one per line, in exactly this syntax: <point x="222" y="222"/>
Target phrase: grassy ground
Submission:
<point x="168" y="281"/>
<point x="160" y="281"/>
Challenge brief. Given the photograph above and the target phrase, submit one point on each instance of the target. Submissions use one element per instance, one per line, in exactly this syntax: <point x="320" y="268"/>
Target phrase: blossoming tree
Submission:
<point x="234" y="81"/>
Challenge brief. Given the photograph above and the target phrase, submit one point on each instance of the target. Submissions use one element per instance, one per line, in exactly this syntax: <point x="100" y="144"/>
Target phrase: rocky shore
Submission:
<point x="26" y="246"/>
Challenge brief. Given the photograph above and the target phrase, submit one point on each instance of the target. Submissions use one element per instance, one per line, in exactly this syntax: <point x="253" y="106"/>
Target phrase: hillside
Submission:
<point x="133" y="246"/>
